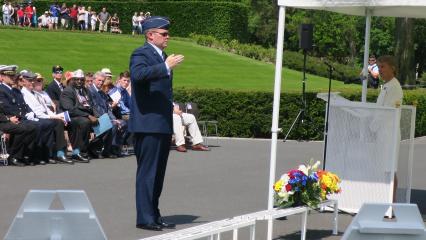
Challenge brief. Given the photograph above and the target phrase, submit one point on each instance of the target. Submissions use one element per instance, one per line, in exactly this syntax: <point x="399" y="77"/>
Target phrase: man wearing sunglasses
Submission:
<point x="373" y="72"/>
<point x="150" y="119"/>
<point x="55" y="88"/>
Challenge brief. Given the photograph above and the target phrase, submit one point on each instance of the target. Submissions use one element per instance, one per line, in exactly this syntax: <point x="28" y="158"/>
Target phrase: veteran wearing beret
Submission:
<point x="151" y="74"/>
<point x="22" y="134"/>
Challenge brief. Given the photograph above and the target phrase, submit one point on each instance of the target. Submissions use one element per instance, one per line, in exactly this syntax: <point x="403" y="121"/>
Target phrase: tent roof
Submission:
<point x="388" y="8"/>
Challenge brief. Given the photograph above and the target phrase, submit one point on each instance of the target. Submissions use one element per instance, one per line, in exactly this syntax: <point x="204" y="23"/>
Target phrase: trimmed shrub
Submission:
<point x="292" y="60"/>
<point x="248" y="114"/>
<point x="224" y="20"/>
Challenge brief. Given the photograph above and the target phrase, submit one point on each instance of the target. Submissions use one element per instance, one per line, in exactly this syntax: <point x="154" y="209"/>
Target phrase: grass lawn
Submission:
<point x="203" y="67"/>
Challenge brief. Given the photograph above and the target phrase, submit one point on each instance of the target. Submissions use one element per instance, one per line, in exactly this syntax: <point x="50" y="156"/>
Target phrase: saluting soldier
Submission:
<point x="151" y="119"/>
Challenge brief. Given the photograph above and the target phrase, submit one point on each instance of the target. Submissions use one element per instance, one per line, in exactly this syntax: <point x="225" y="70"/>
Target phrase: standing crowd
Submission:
<point x="63" y="17"/>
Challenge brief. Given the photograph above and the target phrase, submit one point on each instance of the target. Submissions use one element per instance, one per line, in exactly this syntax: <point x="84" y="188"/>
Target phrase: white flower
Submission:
<point x="316" y="165"/>
<point x="304" y="169"/>
<point x="285" y="178"/>
<point x="284" y="195"/>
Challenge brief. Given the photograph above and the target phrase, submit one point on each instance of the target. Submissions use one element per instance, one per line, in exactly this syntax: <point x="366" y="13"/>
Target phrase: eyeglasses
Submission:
<point x="164" y="34"/>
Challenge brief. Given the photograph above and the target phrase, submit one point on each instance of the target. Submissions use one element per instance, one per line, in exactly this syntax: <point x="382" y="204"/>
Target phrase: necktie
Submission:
<point x="61" y="86"/>
<point x="40" y="100"/>
<point x="164" y="55"/>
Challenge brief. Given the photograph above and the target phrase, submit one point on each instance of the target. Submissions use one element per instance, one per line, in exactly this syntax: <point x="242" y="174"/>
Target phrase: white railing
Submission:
<point x="213" y="230"/>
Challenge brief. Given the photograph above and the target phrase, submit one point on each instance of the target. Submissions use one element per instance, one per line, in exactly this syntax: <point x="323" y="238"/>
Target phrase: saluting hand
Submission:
<point x="173" y="60"/>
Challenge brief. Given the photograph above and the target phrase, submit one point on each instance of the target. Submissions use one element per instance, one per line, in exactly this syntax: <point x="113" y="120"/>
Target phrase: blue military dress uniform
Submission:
<point x="150" y="120"/>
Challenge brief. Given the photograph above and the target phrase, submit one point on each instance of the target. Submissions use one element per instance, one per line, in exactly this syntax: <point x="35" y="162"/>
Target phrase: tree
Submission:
<point x="419" y="44"/>
<point x="263" y="22"/>
<point x="404" y="50"/>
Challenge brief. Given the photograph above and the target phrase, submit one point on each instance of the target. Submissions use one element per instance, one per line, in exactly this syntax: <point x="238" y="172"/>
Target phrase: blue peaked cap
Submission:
<point x="155" y="22"/>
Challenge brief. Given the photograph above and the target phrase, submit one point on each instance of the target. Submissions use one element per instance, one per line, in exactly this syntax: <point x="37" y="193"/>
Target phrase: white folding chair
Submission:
<point x="3" y="150"/>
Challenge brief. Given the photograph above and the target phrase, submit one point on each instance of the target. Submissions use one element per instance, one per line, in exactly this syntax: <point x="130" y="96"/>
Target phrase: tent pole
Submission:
<point x="275" y="113"/>
<point x="366" y="54"/>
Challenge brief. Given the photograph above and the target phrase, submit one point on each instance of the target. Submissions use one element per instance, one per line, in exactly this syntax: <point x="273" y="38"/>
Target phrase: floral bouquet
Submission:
<point x="305" y="186"/>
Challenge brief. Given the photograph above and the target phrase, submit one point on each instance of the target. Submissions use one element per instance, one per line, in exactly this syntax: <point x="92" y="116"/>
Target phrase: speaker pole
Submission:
<point x="305" y="43"/>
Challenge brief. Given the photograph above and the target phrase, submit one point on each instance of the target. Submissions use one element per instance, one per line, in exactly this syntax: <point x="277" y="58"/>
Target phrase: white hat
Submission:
<point x="107" y="72"/>
<point x="8" y="70"/>
<point x="78" y="74"/>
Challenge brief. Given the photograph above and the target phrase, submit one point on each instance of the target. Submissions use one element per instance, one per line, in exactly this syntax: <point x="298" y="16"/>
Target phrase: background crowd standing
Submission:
<point x="55" y="124"/>
<point x="67" y="17"/>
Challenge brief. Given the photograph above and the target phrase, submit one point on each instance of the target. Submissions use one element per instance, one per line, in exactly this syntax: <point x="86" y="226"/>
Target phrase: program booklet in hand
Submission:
<point x="104" y="125"/>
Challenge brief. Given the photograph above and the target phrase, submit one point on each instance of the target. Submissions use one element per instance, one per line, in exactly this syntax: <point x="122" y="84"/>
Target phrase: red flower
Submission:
<point x="288" y="187"/>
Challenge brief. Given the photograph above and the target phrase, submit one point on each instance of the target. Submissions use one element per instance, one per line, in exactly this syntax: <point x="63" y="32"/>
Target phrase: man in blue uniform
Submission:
<point x="150" y="119"/>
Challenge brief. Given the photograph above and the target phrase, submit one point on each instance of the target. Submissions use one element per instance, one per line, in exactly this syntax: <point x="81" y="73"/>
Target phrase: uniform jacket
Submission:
<point x="13" y="102"/>
<point x="151" y="105"/>
<point x="69" y="102"/>
<point x="3" y="116"/>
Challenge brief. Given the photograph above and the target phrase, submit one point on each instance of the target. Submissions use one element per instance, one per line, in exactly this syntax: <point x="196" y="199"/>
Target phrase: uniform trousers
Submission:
<point x="22" y="138"/>
<point x="152" y="152"/>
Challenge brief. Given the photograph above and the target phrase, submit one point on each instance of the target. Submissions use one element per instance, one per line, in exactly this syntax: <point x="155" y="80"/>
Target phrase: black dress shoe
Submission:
<point x="151" y="227"/>
<point x="113" y="156"/>
<point x="79" y="158"/>
<point x="94" y="156"/>
<point x="63" y="159"/>
<point x="15" y="162"/>
<point x="162" y="223"/>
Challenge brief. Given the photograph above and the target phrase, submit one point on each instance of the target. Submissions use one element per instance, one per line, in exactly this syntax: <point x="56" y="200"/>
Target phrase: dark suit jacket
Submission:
<point x="54" y="91"/>
<point x="13" y="102"/>
<point x="69" y="102"/>
<point x="99" y="99"/>
<point x="151" y="105"/>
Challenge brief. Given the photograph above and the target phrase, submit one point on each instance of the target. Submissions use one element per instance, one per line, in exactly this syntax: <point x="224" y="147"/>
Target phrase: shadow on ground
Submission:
<point x="182" y="219"/>
<point x="310" y="234"/>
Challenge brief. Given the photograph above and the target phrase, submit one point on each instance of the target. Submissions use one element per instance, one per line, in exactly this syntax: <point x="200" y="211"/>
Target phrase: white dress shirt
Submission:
<point x="391" y="94"/>
<point x="36" y="103"/>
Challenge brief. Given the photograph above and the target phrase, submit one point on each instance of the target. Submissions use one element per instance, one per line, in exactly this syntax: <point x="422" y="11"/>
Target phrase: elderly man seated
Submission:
<point x="77" y="100"/>
<point x="182" y="120"/>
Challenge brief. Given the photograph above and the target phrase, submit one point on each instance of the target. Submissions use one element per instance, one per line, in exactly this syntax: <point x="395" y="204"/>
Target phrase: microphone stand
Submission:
<point x="330" y="71"/>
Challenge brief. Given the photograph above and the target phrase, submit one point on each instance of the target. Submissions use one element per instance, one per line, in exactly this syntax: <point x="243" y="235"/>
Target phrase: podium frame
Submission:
<point x="359" y="186"/>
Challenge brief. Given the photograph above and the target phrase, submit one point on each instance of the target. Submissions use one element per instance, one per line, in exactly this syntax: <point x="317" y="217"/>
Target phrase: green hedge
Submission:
<point x="292" y="60"/>
<point x="224" y="20"/>
<point x="248" y="114"/>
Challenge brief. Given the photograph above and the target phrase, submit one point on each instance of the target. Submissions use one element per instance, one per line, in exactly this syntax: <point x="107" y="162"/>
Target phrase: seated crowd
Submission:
<point x="42" y="126"/>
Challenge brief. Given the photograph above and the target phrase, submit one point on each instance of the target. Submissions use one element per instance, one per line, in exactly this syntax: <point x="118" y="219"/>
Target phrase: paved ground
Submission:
<point x="200" y="187"/>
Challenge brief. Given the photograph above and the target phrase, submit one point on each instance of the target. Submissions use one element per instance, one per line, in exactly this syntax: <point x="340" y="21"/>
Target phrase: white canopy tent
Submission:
<point x="367" y="8"/>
